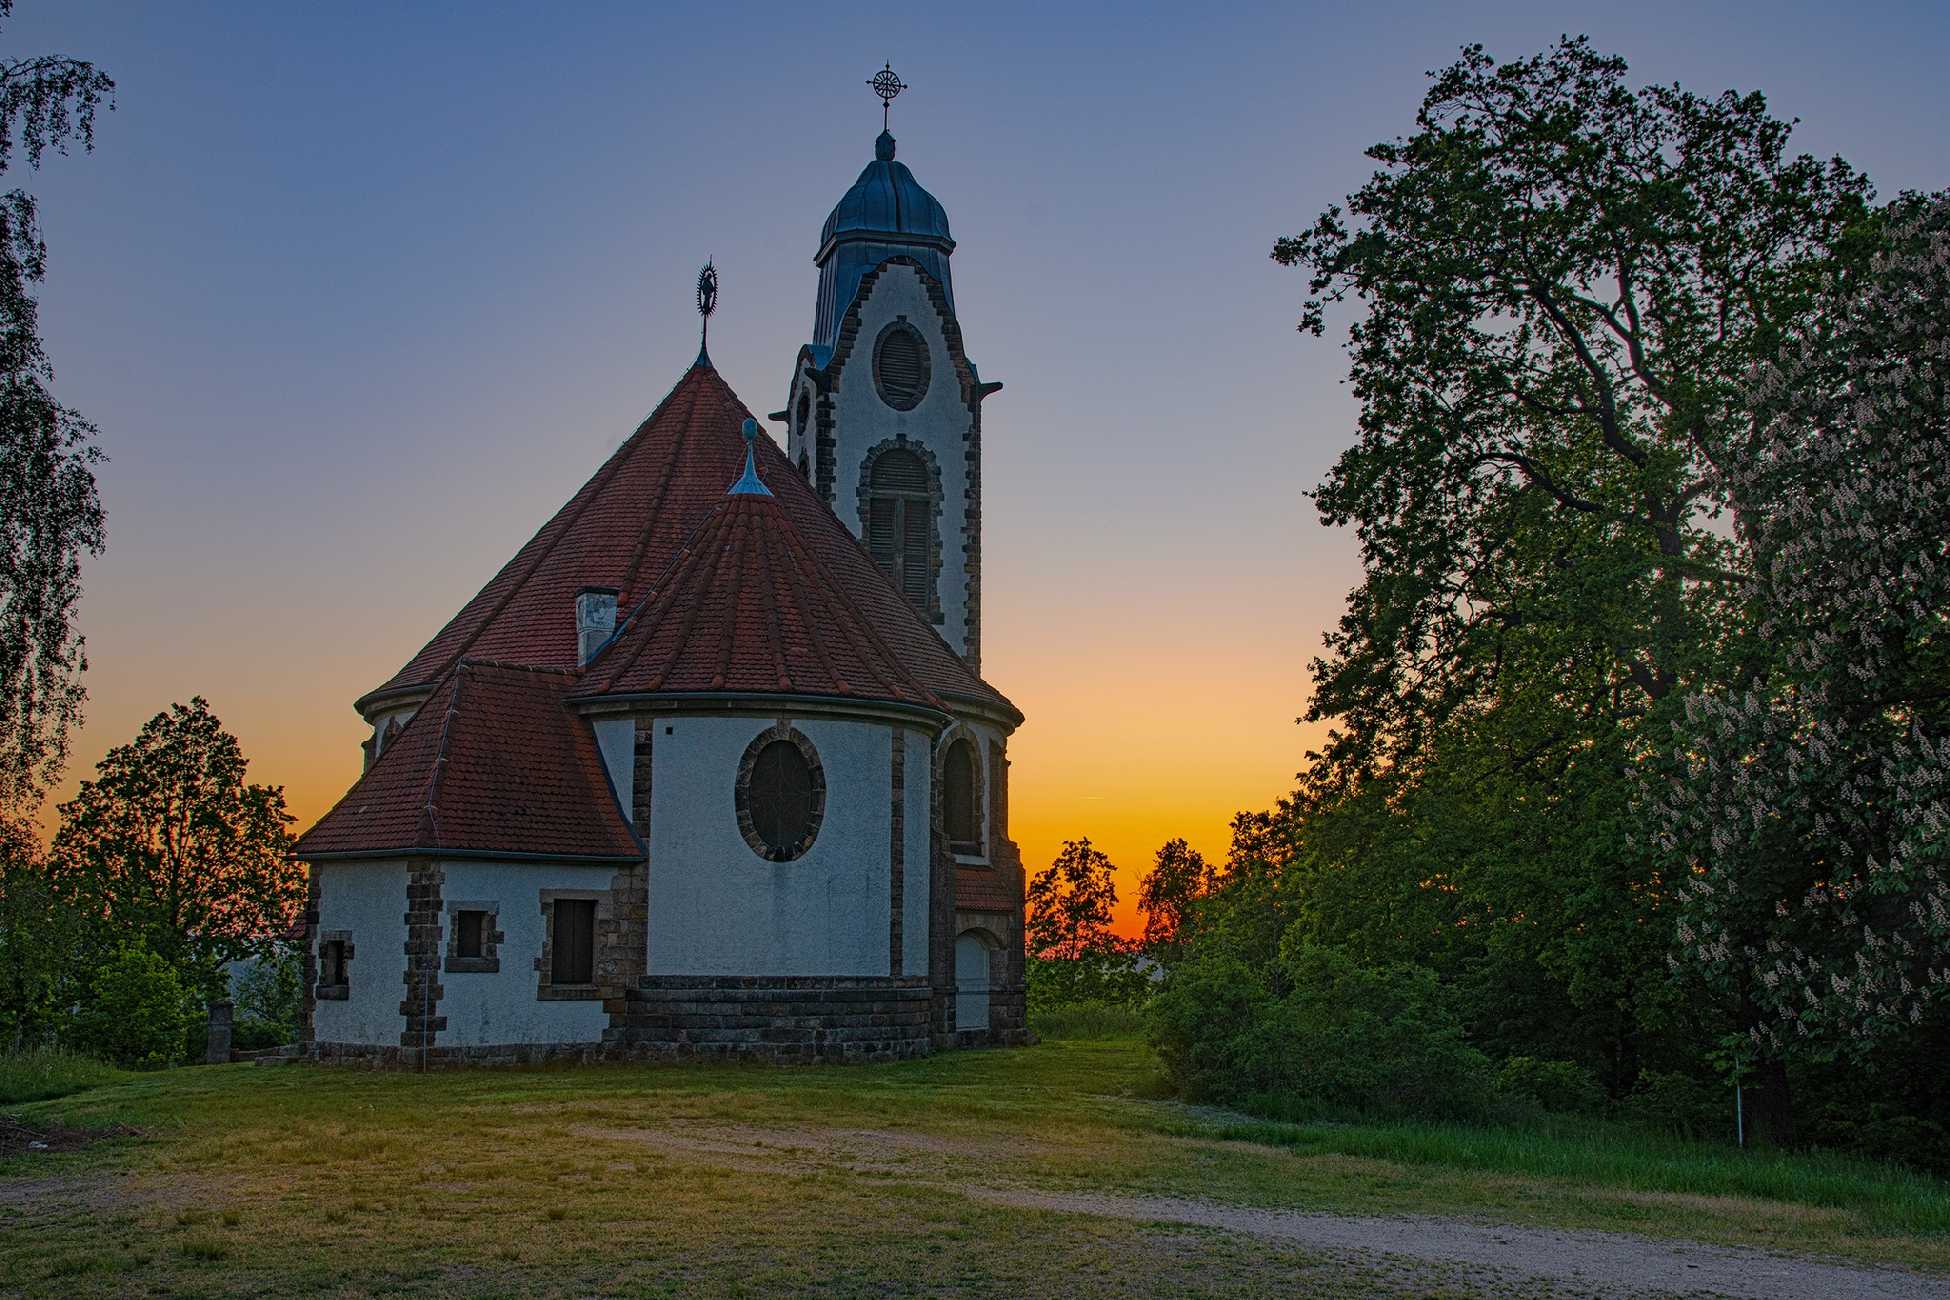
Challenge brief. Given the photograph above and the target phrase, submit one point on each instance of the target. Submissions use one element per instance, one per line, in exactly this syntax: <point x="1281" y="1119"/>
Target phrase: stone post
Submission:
<point x="217" y="1047"/>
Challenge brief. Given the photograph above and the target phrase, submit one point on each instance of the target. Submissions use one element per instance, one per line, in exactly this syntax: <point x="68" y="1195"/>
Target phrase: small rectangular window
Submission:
<point x="331" y="963"/>
<point x="469" y="927"/>
<point x="573" y="959"/>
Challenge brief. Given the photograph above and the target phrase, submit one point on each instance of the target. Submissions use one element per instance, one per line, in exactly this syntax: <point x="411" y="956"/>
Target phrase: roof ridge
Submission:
<point x="509" y="665"/>
<point x="663" y="487"/>
<point x="430" y="810"/>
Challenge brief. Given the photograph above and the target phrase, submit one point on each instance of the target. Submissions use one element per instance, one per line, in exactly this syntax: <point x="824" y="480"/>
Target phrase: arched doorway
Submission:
<point x="972" y="949"/>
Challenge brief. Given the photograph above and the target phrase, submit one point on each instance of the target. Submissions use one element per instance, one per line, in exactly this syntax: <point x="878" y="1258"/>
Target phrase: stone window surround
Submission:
<point x="546" y="990"/>
<point x="863" y="496"/>
<point x="334" y="992"/>
<point x="901" y="325"/>
<point x="489" y="962"/>
<point x="742" y="791"/>
<point x="977" y="764"/>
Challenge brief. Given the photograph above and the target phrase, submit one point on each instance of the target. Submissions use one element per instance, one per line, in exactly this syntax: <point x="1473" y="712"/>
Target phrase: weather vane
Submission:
<point x="707" y="301"/>
<point x="886" y="85"/>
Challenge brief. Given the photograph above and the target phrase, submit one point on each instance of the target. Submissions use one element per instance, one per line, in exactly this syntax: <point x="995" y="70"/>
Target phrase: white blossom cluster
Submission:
<point x="1806" y="805"/>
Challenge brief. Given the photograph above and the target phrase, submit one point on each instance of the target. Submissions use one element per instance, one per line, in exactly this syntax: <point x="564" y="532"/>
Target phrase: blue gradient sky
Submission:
<point x="359" y="296"/>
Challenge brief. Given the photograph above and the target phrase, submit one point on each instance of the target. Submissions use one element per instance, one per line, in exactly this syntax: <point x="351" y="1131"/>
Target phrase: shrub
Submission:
<point x="137" y="1013"/>
<point x="1562" y="1087"/>
<point x="1881" y="1133"/>
<point x="269" y="993"/>
<point x="1668" y="1102"/>
<point x="1322" y="1033"/>
<point x="1099" y="975"/>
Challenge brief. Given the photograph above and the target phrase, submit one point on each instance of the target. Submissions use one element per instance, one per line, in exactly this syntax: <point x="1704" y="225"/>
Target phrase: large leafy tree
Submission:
<point x="50" y="514"/>
<point x="170" y="846"/>
<point x="1566" y="279"/>
<point x="1806" y="802"/>
<point x="1167" y="897"/>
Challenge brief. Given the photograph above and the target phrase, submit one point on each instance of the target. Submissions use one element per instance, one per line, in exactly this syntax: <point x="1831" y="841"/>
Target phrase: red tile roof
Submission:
<point x="748" y="608"/>
<point x="985" y="889"/>
<point x="493" y="762"/>
<point x="628" y="526"/>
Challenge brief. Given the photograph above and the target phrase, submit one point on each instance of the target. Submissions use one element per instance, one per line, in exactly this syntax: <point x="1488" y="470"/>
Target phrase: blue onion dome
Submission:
<point x="887" y="200"/>
<point x="886" y="214"/>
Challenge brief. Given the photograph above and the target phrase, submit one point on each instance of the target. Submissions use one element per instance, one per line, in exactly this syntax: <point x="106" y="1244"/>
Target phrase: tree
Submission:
<point x="50" y="513"/>
<point x="1070" y="904"/>
<point x="1806" y="803"/>
<point x="171" y="847"/>
<point x="1176" y="882"/>
<point x="40" y="944"/>
<point x="1566" y="282"/>
<point x="137" y="1011"/>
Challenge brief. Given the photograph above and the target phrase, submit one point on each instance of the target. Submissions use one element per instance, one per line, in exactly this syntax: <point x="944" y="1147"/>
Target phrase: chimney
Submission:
<point x="595" y="621"/>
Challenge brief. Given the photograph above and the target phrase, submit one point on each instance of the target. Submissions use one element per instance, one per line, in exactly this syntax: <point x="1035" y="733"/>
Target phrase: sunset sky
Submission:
<point x="359" y="296"/>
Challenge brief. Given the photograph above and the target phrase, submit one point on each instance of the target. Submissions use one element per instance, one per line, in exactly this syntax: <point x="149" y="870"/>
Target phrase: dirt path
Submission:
<point x="1601" y="1263"/>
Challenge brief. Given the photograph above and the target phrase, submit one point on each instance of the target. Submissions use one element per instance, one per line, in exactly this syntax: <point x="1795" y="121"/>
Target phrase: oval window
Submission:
<point x="782" y="796"/>
<point x="900" y="366"/>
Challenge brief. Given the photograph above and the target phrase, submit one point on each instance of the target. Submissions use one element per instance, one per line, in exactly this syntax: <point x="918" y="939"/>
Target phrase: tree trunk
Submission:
<point x="1769" y="1106"/>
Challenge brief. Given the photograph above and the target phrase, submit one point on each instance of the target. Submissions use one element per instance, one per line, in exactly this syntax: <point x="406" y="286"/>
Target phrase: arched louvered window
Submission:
<point x="960" y="799"/>
<point x="901" y="368"/>
<point x="900" y="523"/>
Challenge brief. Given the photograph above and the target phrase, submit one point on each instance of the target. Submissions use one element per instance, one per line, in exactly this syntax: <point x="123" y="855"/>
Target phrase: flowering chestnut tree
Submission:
<point x="1805" y="802"/>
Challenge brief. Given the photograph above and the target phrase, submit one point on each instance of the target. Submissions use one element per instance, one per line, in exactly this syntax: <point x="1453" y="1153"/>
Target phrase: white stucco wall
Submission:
<point x="485" y="1008"/>
<point x="717" y="908"/>
<point x="917" y="857"/>
<point x="861" y="421"/>
<point x="616" y="740"/>
<point x="369" y="900"/>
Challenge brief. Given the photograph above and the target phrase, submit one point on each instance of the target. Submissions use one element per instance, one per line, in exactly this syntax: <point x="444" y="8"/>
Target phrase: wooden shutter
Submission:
<point x="468" y="940"/>
<point x="780" y="798"/>
<point x="900" y="366"/>
<point x="881" y="534"/>
<point x="916" y="563"/>
<point x="574" y="942"/>
<point x="958" y="799"/>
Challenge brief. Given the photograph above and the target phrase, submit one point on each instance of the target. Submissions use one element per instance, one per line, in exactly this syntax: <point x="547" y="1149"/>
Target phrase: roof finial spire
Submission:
<point x="886" y="85"/>
<point x="749" y="484"/>
<point x="707" y="302"/>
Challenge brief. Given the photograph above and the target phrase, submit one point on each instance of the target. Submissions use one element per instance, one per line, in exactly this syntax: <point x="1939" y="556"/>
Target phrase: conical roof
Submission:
<point x="492" y="763"/>
<point x="748" y="609"/>
<point x="627" y="528"/>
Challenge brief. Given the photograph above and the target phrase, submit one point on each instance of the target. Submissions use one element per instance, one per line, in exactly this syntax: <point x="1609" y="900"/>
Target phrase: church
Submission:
<point x="709" y="767"/>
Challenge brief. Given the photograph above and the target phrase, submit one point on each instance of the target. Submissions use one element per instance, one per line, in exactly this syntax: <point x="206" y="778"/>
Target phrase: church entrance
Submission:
<point x="971" y="980"/>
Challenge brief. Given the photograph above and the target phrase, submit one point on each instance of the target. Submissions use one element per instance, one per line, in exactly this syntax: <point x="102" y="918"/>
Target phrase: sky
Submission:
<point x="359" y="294"/>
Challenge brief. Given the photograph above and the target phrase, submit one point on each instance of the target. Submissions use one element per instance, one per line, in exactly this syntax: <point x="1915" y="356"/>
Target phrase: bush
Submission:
<point x="137" y="1013"/>
<point x="1319" y="1033"/>
<point x="1881" y="1133"/>
<point x="1561" y="1087"/>
<point x="1667" y="1102"/>
<point x="269" y="994"/>
<point x="1108" y="976"/>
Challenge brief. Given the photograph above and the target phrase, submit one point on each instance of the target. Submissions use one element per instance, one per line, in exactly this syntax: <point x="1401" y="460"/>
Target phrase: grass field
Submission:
<point x="932" y="1177"/>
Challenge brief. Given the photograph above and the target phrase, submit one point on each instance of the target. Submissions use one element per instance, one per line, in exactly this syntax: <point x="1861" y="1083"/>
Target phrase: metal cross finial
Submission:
<point x="886" y="85"/>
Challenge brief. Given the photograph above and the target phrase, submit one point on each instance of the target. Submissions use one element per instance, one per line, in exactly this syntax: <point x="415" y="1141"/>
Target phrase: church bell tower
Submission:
<point x="884" y="409"/>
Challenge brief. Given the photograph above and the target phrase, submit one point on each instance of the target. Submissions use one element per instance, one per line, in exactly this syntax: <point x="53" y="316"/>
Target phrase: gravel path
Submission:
<point x="1597" y="1263"/>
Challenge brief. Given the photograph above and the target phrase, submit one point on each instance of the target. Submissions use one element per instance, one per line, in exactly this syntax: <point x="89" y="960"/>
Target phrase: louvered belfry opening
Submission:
<point x="900" y="524"/>
<point x="958" y="801"/>
<point x="900" y="366"/>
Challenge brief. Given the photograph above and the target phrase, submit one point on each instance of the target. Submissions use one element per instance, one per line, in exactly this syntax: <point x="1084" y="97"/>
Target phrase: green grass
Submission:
<point x="46" y="1073"/>
<point x="832" y="1180"/>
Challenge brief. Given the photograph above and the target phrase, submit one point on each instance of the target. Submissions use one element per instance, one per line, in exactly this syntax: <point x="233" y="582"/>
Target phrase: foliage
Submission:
<point x="1111" y="975"/>
<point x="269" y="996"/>
<point x="1680" y="1105"/>
<point x="42" y="1073"/>
<point x="42" y="945"/>
<point x="1070" y="904"/>
<point x="172" y="847"/>
<point x="1169" y="896"/>
<point x="1557" y="1086"/>
<point x="1806" y="802"/>
<point x="50" y="512"/>
<point x="1087" y="1020"/>
<point x="1318" y="1033"/>
<point x="137" y="1013"/>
